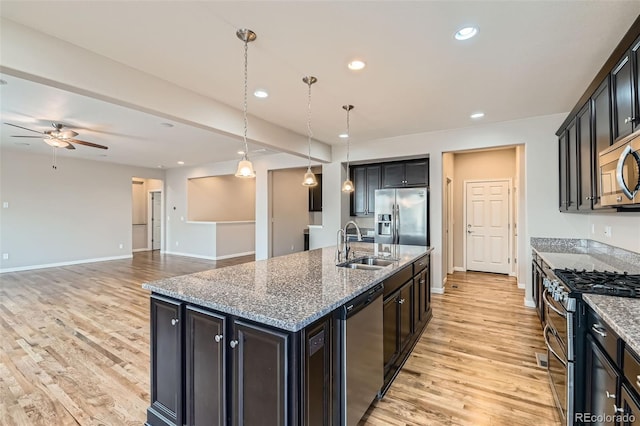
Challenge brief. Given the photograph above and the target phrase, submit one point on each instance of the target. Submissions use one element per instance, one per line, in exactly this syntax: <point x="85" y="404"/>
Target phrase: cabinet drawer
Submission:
<point x="604" y="335"/>
<point x="631" y="367"/>
<point x="420" y="264"/>
<point x="395" y="281"/>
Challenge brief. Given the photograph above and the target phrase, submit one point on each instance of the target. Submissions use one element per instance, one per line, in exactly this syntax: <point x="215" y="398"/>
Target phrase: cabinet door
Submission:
<point x="374" y="174"/>
<point x="205" y="363"/>
<point x="406" y="314"/>
<point x="259" y="375"/>
<point x="359" y="195"/>
<point x="630" y="408"/>
<point x="572" y="166"/>
<point x="602" y="383"/>
<point x="562" y="170"/>
<point x="166" y="358"/>
<point x="635" y="66"/>
<point x="416" y="173"/>
<point x="390" y="330"/>
<point x="601" y="123"/>
<point x="393" y="175"/>
<point x="315" y="195"/>
<point x="585" y="158"/>
<point x="622" y="93"/>
<point x="318" y="374"/>
<point x="417" y="305"/>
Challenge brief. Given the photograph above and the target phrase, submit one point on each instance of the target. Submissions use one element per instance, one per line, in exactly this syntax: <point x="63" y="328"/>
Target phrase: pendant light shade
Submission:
<point x="245" y="168"/>
<point x="347" y="185"/>
<point x="309" y="178"/>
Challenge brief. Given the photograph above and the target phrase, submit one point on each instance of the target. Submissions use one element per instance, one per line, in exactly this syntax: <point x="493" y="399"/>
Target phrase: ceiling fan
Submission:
<point x="59" y="137"/>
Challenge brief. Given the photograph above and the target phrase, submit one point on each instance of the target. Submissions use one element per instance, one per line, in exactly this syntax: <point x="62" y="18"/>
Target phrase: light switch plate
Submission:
<point x="5" y="204"/>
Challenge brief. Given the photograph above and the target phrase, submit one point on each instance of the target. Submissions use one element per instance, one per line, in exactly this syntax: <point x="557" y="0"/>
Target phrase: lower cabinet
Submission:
<point x="602" y="383"/>
<point x="630" y="406"/>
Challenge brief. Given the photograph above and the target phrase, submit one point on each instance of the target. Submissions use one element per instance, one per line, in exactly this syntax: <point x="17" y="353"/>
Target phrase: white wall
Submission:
<point x="79" y="212"/>
<point x="625" y="229"/>
<point x="290" y="210"/>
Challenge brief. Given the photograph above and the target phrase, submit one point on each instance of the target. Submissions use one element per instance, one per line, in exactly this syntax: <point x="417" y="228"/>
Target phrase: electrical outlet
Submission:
<point x="607" y="231"/>
<point x="593" y="228"/>
<point x="177" y="244"/>
<point x="121" y="245"/>
<point x="292" y="247"/>
<point x="5" y="256"/>
<point x="5" y="205"/>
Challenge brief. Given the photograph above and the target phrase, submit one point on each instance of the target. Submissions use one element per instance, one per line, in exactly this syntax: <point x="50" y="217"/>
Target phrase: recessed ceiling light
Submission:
<point x="3" y="82"/>
<point x="181" y="162"/>
<point x="466" y="33"/>
<point x="356" y="65"/>
<point x="343" y="135"/>
<point x="160" y="166"/>
<point x="261" y="93"/>
<point x="240" y="152"/>
<point x="477" y="115"/>
<point x="166" y="124"/>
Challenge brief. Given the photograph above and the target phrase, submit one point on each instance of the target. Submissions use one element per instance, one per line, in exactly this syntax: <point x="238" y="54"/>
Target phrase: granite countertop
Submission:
<point x="288" y="292"/>
<point x="622" y="314"/>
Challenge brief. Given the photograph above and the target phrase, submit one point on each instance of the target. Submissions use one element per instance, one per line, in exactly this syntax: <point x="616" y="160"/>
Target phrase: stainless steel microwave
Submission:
<point x="619" y="167"/>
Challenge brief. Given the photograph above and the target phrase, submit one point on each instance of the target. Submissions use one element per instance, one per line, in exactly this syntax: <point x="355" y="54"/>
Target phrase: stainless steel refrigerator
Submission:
<point x="401" y="216"/>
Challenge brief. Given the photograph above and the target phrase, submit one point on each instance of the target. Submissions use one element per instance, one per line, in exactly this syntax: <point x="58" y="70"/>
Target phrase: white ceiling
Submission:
<point x="530" y="58"/>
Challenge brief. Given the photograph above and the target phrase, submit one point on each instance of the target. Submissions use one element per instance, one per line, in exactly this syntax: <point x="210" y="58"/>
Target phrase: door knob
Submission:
<point x="469" y="231"/>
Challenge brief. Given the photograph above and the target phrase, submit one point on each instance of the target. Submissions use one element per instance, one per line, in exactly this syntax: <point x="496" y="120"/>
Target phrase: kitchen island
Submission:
<point x="259" y="343"/>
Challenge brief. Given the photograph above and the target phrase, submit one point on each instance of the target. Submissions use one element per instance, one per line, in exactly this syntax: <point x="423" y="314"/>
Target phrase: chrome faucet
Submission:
<point x="345" y="241"/>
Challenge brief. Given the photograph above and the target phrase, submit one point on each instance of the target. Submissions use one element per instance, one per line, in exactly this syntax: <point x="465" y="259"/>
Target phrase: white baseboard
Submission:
<point x="69" y="263"/>
<point x="140" y="249"/>
<point x="437" y="290"/>
<point x="459" y="269"/>
<point x="198" y="256"/>
<point x="513" y="274"/>
<point x="444" y="282"/>
<point x="229" y="256"/>
<point x="521" y="285"/>
<point x="529" y="303"/>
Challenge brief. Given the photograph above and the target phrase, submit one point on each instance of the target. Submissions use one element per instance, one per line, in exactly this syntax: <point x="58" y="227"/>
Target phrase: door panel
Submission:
<point x="622" y="91"/>
<point x="156" y="220"/>
<point x="487" y="226"/>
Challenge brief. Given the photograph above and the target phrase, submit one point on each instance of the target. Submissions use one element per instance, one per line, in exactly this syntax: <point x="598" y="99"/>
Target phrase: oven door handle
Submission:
<point x="550" y="305"/>
<point x="545" y="332"/>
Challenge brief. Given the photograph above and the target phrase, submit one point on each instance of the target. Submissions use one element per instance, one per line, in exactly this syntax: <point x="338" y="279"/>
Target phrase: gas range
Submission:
<point x="599" y="282"/>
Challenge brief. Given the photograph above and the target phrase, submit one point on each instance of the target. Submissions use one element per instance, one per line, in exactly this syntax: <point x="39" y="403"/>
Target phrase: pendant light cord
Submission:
<point x="309" y="132"/>
<point x="244" y="105"/>
<point x="348" y="136"/>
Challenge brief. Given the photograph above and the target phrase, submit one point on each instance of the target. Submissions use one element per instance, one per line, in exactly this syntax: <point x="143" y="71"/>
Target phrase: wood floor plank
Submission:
<point x="75" y="350"/>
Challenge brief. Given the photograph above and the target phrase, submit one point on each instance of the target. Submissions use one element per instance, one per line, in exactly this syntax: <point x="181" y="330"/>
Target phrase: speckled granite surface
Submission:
<point x="288" y="292"/>
<point x="621" y="313"/>
<point x="585" y="254"/>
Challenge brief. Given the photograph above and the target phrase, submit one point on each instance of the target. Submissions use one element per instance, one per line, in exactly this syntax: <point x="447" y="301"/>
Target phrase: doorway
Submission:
<point x="155" y="234"/>
<point x="487" y="213"/>
<point x="448" y="217"/>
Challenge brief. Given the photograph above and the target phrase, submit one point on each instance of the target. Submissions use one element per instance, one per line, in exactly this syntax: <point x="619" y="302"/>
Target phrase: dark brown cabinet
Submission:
<point x="602" y="382"/>
<point x="630" y="406"/>
<point x="601" y="131"/>
<point x="390" y="330"/>
<point x="366" y="179"/>
<point x="318" y="376"/>
<point x="622" y="97"/>
<point x="405" y="174"/>
<point x="259" y="375"/>
<point x="205" y="367"/>
<point x="572" y="167"/>
<point x="585" y="155"/>
<point x="315" y="195"/>
<point x="166" y="362"/>
<point x="563" y="150"/>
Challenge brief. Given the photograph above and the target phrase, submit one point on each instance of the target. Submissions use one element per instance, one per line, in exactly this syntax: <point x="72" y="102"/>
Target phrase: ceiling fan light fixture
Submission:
<point x="245" y="168"/>
<point x="56" y="143"/>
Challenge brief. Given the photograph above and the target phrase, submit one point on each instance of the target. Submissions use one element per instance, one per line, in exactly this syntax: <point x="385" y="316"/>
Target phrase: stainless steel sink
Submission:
<point x="367" y="262"/>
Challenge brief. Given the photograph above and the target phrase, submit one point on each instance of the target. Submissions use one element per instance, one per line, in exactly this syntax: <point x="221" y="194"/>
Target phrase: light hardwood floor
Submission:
<point x="74" y="349"/>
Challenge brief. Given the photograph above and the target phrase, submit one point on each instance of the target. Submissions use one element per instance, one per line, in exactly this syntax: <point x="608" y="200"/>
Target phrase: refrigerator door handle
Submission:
<point x="397" y="224"/>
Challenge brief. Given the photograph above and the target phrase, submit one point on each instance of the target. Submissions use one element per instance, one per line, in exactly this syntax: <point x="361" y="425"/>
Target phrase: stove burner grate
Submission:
<point x="600" y="282"/>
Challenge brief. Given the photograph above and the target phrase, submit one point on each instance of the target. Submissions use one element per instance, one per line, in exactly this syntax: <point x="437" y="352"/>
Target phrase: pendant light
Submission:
<point x="309" y="178"/>
<point x="347" y="185"/>
<point x="245" y="168"/>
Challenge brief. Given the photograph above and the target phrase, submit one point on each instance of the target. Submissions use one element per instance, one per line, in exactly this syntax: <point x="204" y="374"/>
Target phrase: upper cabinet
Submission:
<point x="315" y="195"/>
<point x="366" y="179"/>
<point x="405" y="174"/>
<point x="609" y="110"/>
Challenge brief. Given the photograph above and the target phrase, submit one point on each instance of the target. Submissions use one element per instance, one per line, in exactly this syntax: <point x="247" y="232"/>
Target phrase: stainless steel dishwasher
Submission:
<point x="362" y="351"/>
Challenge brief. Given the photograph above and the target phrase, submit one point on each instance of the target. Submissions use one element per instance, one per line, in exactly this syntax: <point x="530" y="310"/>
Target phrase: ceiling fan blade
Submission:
<point x="94" y="145"/>
<point x="69" y="146"/>
<point x="36" y="137"/>
<point x="24" y="128"/>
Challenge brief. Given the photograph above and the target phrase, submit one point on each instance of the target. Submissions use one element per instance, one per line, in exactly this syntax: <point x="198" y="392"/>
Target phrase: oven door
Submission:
<point x="556" y="317"/>
<point x="561" y="374"/>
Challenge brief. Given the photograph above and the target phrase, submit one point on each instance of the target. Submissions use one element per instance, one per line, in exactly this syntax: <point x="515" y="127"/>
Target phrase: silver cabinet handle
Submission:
<point x="174" y="321"/>
<point x="218" y="338"/>
<point x="599" y="330"/>
<point x="401" y="301"/>
<point x="589" y="198"/>
<point x="421" y="281"/>
<point x="233" y="343"/>
<point x="617" y="409"/>
<point x="629" y="120"/>
<point x="610" y="395"/>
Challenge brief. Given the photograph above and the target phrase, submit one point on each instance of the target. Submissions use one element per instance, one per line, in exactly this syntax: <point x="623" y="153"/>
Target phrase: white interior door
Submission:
<point x="487" y="226"/>
<point x="156" y="220"/>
